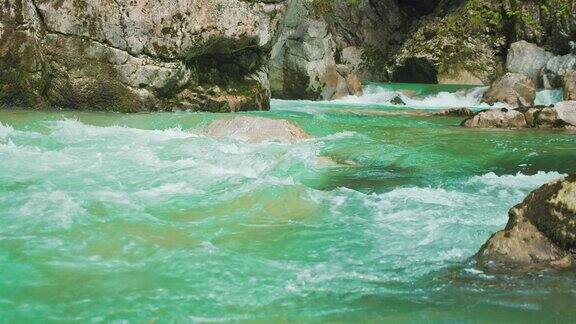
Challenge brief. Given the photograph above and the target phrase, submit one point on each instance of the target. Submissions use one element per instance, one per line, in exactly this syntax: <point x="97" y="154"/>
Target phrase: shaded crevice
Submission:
<point x="415" y="70"/>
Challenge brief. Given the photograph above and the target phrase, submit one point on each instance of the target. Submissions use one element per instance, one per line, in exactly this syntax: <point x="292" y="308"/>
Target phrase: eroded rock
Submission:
<point x="496" y="118"/>
<point x="556" y="68"/>
<point x="541" y="231"/>
<point x="256" y="129"/>
<point x="561" y="115"/>
<point x="134" y="55"/>
<point x="454" y="112"/>
<point x="515" y="89"/>
<point x="569" y="85"/>
<point x="322" y="43"/>
<point x="527" y="59"/>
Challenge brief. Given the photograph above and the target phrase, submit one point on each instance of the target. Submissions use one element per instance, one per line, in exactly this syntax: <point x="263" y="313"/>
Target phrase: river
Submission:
<point x="115" y="217"/>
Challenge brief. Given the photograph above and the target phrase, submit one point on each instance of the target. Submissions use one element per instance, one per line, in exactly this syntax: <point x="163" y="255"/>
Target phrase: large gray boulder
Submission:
<point x="556" y="68"/>
<point x="541" y="231"/>
<point x="137" y="55"/>
<point x="496" y="118"/>
<point x="256" y="129"/>
<point x="527" y="59"/>
<point x="561" y="115"/>
<point x="569" y="85"/>
<point x="514" y="89"/>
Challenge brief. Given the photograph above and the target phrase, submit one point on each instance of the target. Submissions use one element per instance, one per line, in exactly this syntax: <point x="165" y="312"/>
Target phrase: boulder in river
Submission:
<point x="496" y="118"/>
<point x="527" y="59"/>
<point x="569" y="85"/>
<point x="515" y="89"/>
<point x="454" y="112"/>
<point x="256" y="129"/>
<point x="397" y="100"/>
<point x="541" y="231"/>
<point x="561" y="115"/>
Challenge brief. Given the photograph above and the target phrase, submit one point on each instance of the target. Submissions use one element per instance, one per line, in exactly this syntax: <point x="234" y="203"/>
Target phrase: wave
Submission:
<point x="73" y="131"/>
<point x="5" y="131"/>
<point x="379" y="95"/>
<point x="374" y="94"/>
<point x="432" y="226"/>
<point x="517" y="181"/>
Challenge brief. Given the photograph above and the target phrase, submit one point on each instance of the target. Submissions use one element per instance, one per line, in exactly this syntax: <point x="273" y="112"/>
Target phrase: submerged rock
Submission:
<point x="256" y="129"/>
<point x="514" y="89"/>
<point x="496" y="118"/>
<point x="397" y="100"/>
<point x="454" y="112"/>
<point x="541" y="231"/>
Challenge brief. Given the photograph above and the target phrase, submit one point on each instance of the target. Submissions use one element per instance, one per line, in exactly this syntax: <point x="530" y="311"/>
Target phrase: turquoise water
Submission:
<point x="111" y="217"/>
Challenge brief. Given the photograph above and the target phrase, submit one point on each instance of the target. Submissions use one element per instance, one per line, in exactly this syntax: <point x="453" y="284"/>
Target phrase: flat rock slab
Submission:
<point x="256" y="129"/>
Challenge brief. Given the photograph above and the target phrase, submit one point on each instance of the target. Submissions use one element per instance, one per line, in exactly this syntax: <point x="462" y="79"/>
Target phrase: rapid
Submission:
<point x="109" y="217"/>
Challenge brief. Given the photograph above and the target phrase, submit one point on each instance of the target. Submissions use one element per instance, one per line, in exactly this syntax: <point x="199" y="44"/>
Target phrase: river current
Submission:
<point x="112" y="217"/>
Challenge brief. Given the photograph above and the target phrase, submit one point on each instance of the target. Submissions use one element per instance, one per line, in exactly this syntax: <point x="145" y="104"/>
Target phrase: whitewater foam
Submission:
<point x="74" y="131"/>
<point x="516" y="181"/>
<point x="548" y="97"/>
<point x="379" y="95"/>
<point x="5" y="131"/>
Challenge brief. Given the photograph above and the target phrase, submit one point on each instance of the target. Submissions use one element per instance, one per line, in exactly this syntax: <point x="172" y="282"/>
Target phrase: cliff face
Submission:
<point x="323" y="44"/>
<point x="231" y="55"/>
<point x="137" y="55"/>
<point x="466" y="41"/>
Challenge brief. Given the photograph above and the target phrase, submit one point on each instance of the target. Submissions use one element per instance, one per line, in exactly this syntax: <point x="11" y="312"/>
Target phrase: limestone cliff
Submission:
<point x="325" y="46"/>
<point x="466" y="41"/>
<point x="232" y="55"/>
<point x="137" y="55"/>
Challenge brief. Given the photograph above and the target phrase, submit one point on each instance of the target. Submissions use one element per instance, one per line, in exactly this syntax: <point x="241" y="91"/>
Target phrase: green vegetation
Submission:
<point x="324" y="7"/>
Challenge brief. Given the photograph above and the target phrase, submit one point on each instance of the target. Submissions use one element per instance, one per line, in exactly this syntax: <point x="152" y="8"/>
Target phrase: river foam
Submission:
<point x="94" y="208"/>
<point x="380" y="94"/>
<point x="376" y="94"/>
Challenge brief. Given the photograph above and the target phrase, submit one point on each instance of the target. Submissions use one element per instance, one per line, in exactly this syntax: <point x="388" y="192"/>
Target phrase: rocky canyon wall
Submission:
<point x="137" y="55"/>
<point x="233" y="55"/>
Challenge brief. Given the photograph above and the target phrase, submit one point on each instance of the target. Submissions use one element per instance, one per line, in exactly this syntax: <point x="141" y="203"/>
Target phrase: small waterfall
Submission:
<point x="442" y="97"/>
<point x="548" y="97"/>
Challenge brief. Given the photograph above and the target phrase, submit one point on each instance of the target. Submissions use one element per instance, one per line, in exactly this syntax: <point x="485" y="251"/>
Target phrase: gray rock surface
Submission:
<point x="562" y="114"/>
<point x="135" y="55"/>
<point x="541" y="231"/>
<point x="496" y="118"/>
<point x="556" y="68"/>
<point x="256" y="129"/>
<point x="527" y="59"/>
<point x="322" y="43"/>
<point x="569" y="85"/>
<point x="514" y="89"/>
